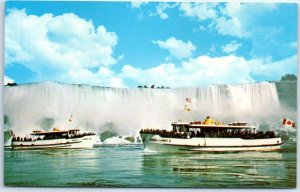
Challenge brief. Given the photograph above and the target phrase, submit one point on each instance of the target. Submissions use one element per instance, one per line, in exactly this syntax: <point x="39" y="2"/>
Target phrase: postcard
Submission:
<point x="142" y="94"/>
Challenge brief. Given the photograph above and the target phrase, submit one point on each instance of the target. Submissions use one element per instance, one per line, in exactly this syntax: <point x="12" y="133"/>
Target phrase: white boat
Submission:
<point x="210" y="136"/>
<point x="66" y="139"/>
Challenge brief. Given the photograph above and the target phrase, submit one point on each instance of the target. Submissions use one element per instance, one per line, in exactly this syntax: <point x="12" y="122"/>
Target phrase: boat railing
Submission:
<point x="81" y="135"/>
<point x="219" y="134"/>
<point x="30" y="139"/>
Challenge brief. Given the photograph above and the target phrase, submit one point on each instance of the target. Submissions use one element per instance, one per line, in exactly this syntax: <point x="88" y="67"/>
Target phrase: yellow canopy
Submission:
<point x="56" y="129"/>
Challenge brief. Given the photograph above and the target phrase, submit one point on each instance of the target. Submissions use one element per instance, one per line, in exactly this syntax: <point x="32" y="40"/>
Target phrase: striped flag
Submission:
<point x="187" y="106"/>
<point x="188" y="100"/>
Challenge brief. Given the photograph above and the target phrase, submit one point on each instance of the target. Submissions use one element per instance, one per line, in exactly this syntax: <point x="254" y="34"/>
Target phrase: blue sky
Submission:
<point x="124" y="44"/>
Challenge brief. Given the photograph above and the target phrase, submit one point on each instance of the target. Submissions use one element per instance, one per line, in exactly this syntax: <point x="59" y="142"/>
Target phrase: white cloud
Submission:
<point x="234" y="19"/>
<point x="274" y="69"/>
<point x="199" y="28"/>
<point x="103" y="77"/>
<point x="137" y="4"/>
<point x="200" y="11"/>
<point x="293" y="45"/>
<point x="55" y="47"/>
<point x="205" y="70"/>
<point x="212" y="49"/>
<point x="239" y="19"/>
<point x="232" y="26"/>
<point x="251" y="21"/>
<point x="8" y="80"/>
<point x="231" y="47"/>
<point x="160" y="10"/>
<point x="176" y="47"/>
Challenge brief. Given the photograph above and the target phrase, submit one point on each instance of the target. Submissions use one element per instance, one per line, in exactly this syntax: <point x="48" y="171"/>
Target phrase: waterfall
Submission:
<point x="127" y="110"/>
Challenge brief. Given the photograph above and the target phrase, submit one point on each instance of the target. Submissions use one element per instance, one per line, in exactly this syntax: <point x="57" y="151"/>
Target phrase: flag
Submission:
<point x="288" y="122"/>
<point x="187" y="108"/>
<point x="188" y="100"/>
<point x="12" y="133"/>
<point x="70" y="119"/>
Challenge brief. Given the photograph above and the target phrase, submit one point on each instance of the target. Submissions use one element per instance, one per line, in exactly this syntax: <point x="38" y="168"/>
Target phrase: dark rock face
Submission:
<point x="107" y="134"/>
<point x="287" y="93"/>
<point x="7" y="135"/>
<point x="131" y="139"/>
<point x="11" y="84"/>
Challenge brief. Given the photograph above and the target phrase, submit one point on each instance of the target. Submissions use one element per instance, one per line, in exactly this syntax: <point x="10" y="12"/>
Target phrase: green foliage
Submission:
<point x="289" y="77"/>
<point x="153" y="87"/>
<point x="6" y="120"/>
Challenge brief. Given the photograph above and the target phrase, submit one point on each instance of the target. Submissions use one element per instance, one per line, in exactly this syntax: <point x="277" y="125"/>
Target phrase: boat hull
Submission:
<point x="85" y="142"/>
<point x="156" y="143"/>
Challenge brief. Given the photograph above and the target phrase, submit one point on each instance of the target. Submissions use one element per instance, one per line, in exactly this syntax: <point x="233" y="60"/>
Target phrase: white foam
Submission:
<point x="116" y="141"/>
<point x="288" y="129"/>
<point x="149" y="151"/>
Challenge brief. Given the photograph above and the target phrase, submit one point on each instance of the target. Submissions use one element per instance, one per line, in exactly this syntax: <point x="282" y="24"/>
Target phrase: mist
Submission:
<point x="43" y="106"/>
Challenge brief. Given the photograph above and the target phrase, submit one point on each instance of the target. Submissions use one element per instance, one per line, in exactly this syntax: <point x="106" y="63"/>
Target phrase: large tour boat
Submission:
<point x="56" y="138"/>
<point x="210" y="136"/>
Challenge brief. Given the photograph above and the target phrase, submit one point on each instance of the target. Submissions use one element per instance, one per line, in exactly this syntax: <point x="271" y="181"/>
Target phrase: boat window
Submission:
<point x="186" y="128"/>
<point x="174" y="128"/>
<point x="177" y="128"/>
<point x="182" y="128"/>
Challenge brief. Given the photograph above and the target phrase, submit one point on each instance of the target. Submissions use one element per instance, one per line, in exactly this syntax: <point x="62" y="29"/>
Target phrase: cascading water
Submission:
<point x="127" y="110"/>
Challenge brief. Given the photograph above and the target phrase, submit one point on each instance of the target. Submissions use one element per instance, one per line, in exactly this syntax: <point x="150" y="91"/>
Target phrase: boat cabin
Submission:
<point x="196" y="129"/>
<point x="54" y="134"/>
<point x="47" y="135"/>
<point x="211" y="128"/>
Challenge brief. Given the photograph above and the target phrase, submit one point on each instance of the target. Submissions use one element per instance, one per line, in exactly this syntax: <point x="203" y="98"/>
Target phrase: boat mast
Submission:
<point x="187" y="110"/>
<point x="70" y="121"/>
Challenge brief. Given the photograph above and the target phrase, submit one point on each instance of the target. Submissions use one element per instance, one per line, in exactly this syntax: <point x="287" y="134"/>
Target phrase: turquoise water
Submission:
<point x="131" y="166"/>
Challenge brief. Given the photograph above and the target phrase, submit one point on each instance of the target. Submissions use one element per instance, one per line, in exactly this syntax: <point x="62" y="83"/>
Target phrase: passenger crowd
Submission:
<point x="22" y="139"/>
<point x="211" y="133"/>
<point x="165" y="133"/>
<point x="52" y="136"/>
<point x="79" y="135"/>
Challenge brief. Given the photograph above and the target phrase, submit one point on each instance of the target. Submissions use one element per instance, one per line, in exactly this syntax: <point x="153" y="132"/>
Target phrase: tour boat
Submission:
<point x="210" y="136"/>
<point x="69" y="139"/>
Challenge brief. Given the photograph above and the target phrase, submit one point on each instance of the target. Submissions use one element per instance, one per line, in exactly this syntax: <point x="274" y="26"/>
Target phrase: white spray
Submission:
<point x="127" y="110"/>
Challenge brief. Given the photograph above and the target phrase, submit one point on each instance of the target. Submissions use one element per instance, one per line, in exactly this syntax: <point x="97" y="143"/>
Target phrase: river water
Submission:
<point x="132" y="166"/>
